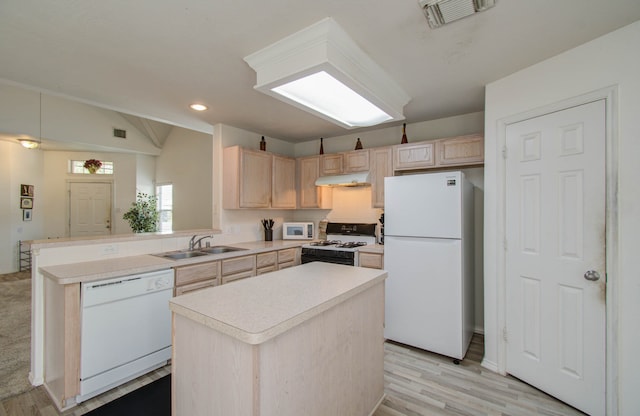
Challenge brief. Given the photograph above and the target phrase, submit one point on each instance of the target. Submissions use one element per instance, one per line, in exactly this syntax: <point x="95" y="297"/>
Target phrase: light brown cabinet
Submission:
<point x="257" y="179"/>
<point x="266" y="262"/>
<point x="345" y="162"/>
<point x="381" y="167"/>
<point x="331" y="164"/>
<point x="238" y="268"/>
<point x="310" y="195"/>
<point x="196" y="276"/>
<point x="459" y="151"/>
<point x="283" y="183"/>
<point x="371" y="260"/>
<point x="288" y="257"/>
<point x="413" y="156"/>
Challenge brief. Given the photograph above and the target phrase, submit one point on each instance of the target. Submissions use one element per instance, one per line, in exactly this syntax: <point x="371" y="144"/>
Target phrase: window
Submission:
<point x="77" y="166"/>
<point x="165" y="206"/>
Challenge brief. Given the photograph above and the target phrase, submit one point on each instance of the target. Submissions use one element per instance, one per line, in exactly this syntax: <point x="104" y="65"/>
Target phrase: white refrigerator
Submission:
<point x="428" y="253"/>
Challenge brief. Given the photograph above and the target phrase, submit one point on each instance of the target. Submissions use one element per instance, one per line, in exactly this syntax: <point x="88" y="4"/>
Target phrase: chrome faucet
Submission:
<point x="193" y="242"/>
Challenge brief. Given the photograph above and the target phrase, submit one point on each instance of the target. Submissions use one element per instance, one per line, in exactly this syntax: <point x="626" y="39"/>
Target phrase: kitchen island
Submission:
<point x="307" y="340"/>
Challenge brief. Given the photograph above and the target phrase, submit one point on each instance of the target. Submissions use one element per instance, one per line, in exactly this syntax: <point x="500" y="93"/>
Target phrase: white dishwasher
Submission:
<point x="126" y="329"/>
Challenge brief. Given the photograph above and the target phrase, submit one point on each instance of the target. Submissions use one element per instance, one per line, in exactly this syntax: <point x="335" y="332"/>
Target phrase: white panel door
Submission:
<point x="89" y="208"/>
<point x="555" y="227"/>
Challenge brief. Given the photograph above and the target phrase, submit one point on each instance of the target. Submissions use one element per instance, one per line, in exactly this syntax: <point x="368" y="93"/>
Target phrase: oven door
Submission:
<point x="328" y="256"/>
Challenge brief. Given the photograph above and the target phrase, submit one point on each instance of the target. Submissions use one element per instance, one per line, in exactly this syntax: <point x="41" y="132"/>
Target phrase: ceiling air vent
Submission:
<point x="441" y="12"/>
<point x="121" y="133"/>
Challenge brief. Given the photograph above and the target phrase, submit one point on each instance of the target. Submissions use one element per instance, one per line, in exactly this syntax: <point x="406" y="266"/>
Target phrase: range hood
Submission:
<point x="349" y="179"/>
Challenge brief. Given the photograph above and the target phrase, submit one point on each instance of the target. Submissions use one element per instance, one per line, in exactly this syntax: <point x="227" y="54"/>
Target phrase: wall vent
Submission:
<point x="441" y="12"/>
<point x="121" y="133"/>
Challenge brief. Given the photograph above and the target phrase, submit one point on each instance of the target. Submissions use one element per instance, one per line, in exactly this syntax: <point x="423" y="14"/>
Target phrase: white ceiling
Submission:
<point x="152" y="58"/>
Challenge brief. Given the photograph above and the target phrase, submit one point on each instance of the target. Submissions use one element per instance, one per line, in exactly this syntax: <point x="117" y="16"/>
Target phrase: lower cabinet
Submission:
<point x="238" y="268"/>
<point x="196" y="276"/>
<point x="288" y="258"/>
<point x="266" y="262"/>
<point x="371" y="260"/>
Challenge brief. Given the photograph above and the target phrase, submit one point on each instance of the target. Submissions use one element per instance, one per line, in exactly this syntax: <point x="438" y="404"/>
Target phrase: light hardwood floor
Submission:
<point x="416" y="383"/>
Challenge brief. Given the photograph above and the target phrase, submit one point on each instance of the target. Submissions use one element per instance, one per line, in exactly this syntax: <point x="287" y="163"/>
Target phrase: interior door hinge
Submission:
<point x="504" y="152"/>
<point x="504" y="334"/>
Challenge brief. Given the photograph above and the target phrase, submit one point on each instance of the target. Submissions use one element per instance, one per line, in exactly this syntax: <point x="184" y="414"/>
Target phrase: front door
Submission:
<point x="555" y="254"/>
<point x="89" y="208"/>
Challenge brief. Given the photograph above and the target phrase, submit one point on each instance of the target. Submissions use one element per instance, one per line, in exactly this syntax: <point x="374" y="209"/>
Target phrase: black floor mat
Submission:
<point x="152" y="399"/>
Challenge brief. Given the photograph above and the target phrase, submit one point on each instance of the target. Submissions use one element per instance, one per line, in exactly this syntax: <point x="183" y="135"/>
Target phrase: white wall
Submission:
<point x="186" y="162"/>
<point x="612" y="60"/>
<point x="18" y="166"/>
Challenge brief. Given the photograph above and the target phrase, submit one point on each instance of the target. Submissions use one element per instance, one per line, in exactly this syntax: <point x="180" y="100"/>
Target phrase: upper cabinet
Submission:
<point x="257" y="179"/>
<point x="345" y="162"/>
<point x="414" y="156"/>
<point x="310" y="195"/>
<point x="463" y="150"/>
<point x="381" y="167"/>
<point x="283" y="183"/>
<point x="449" y="152"/>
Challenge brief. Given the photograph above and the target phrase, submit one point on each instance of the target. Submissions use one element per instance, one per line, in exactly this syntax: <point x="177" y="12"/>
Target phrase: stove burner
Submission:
<point x="352" y="244"/>
<point x="325" y="243"/>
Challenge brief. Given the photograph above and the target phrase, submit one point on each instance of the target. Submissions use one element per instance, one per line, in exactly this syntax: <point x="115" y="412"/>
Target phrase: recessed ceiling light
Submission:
<point x="198" y="107"/>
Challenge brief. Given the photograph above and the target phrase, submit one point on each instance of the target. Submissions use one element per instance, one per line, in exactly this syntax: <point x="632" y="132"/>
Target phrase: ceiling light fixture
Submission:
<point x="321" y="70"/>
<point x="29" y="143"/>
<point x="198" y="107"/>
<point x="441" y="12"/>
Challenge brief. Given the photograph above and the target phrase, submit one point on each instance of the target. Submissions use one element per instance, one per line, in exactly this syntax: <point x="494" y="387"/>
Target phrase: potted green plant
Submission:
<point x="144" y="215"/>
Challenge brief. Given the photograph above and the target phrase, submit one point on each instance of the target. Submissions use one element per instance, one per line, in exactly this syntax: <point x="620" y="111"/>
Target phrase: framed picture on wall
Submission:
<point x="26" y="215"/>
<point x="26" y="190"/>
<point x="26" y="203"/>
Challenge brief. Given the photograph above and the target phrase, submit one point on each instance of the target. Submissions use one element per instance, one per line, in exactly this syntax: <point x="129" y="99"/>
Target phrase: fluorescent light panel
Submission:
<point x="321" y="70"/>
<point x="325" y="94"/>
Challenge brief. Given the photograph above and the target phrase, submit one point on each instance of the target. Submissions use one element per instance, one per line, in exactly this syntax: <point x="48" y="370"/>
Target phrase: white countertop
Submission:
<point x="257" y="309"/>
<point x="89" y="271"/>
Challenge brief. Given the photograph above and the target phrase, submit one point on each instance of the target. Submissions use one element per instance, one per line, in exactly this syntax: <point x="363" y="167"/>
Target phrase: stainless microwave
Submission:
<point x="297" y="231"/>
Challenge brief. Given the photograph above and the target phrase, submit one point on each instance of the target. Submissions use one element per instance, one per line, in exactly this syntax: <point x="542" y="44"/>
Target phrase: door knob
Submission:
<point x="592" y="275"/>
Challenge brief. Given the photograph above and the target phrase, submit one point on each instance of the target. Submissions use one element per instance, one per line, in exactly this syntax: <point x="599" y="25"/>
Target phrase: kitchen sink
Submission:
<point x="220" y="249"/>
<point x="178" y="255"/>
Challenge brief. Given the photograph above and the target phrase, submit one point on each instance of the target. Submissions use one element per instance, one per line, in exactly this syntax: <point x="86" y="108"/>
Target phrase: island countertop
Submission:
<point x="258" y="309"/>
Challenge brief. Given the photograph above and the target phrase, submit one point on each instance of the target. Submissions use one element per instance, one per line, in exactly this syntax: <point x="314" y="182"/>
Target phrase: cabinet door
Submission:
<point x="381" y="167"/>
<point x="238" y="268"/>
<point x="197" y="272"/>
<point x="370" y="260"/>
<point x="464" y="150"/>
<point x="255" y="179"/>
<point x="356" y="161"/>
<point x="311" y="196"/>
<point x="286" y="257"/>
<point x="413" y="156"/>
<point x="266" y="259"/>
<point x="181" y="290"/>
<point x="331" y="164"/>
<point x="283" y="185"/>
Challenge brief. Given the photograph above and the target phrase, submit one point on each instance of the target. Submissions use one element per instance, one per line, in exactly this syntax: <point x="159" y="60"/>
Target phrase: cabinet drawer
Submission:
<point x="286" y="265"/>
<point x="197" y="272"/>
<point x="267" y="269"/>
<point x="238" y="265"/>
<point x="266" y="259"/>
<point x="287" y="255"/>
<point x="371" y="260"/>
<point x="180" y="290"/>
<point x="237" y="276"/>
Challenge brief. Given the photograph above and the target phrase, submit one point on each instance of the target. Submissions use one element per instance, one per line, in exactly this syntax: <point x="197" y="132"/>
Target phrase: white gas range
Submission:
<point x="341" y="245"/>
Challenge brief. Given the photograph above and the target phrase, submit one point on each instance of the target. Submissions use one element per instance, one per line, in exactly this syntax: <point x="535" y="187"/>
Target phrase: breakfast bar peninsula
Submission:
<point x="307" y="340"/>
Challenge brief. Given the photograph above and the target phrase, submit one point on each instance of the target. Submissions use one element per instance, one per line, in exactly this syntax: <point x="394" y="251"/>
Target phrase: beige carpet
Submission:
<point x="15" y="334"/>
